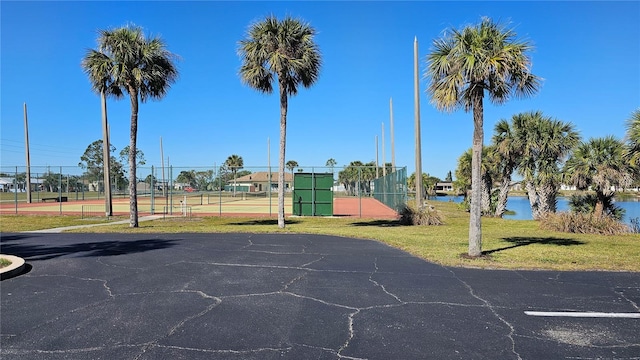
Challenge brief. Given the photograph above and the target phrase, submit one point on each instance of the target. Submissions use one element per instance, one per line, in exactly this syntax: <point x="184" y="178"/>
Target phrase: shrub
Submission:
<point x="426" y="215"/>
<point x="582" y="223"/>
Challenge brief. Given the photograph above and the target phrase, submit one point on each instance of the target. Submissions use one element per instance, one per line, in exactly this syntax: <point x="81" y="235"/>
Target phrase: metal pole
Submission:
<point x="15" y="189"/>
<point x="164" y="183"/>
<point x="153" y="192"/>
<point x="60" y="189"/>
<point x="393" y="154"/>
<point x="28" y="158"/>
<point x="416" y="113"/>
<point x="269" y="172"/>
<point x="170" y="188"/>
<point x="360" y="191"/>
<point x="377" y="171"/>
<point x="384" y="161"/>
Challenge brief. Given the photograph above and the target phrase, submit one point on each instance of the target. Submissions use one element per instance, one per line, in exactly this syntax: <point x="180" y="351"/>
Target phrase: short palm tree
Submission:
<point x="284" y="50"/>
<point x="506" y="155"/>
<point x="464" y="66"/>
<point x="129" y="62"/>
<point x="633" y="141"/>
<point x="599" y="165"/>
<point x="331" y="163"/>
<point x="291" y="164"/>
<point x="543" y="143"/>
<point x="235" y="163"/>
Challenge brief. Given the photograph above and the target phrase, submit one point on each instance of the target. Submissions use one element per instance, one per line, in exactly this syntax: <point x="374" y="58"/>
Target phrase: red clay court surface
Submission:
<point x="369" y="208"/>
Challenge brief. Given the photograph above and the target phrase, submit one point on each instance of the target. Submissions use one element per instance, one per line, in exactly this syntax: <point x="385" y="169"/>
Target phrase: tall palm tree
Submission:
<point x="235" y="163"/>
<point x="599" y="165"/>
<point x="139" y="66"/>
<point x="284" y="50"/>
<point x="463" y="66"/>
<point x="99" y="66"/>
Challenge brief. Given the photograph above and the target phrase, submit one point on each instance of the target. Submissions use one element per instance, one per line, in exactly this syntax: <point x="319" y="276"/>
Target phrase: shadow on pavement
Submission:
<point x="524" y="241"/>
<point x="103" y="248"/>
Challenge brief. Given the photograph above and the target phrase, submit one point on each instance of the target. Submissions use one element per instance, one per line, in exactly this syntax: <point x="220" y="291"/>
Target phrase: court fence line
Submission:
<point x="191" y="191"/>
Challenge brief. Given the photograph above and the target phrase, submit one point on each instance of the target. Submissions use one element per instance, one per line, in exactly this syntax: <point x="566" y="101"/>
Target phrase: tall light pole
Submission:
<point x="377" y="172"/>
<point x="28" y="157"/>
<point x="384" y="160"/>
<point x="416" y="114"/>
<point x="393" y="153"/>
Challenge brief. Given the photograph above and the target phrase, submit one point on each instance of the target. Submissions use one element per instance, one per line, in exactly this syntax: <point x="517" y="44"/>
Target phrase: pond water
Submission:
<point x="520" y="205"/>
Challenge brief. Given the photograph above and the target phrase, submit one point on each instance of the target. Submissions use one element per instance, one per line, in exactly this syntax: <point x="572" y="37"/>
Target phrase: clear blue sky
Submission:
<point x="587" y="52"/>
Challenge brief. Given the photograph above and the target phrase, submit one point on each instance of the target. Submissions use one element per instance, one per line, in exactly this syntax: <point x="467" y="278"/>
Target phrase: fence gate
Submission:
<point x="312" y="194"/>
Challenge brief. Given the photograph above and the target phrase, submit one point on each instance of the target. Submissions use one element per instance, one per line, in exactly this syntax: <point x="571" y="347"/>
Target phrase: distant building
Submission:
<point x="259" y="181"/>
<point x="444" y="186"/>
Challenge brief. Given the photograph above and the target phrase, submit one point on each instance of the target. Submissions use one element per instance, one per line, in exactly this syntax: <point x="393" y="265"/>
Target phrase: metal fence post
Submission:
<point x="153" y="200"/>
<point x="60" y="189"/>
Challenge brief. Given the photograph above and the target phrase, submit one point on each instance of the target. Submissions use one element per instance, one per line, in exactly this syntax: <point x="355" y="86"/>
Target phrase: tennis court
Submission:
<point x="201" y="205"/>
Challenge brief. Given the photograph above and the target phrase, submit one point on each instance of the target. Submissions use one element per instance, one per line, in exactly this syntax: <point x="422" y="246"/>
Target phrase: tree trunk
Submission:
<point x="547" y="196"/>
<point x="486" y="194"/>
<point x="133" y="195"/>
<point x="475" y="225"/>
<point x="106" y="161"/>
<point x="598" y="211"/>
<point x="503" y="196"/>
<point x="283" y="140"/>
<point x="534" y="200"/>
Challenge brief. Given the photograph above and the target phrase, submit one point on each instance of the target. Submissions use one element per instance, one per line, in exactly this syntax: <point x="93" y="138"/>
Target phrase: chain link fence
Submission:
<point x="193" y="191"/>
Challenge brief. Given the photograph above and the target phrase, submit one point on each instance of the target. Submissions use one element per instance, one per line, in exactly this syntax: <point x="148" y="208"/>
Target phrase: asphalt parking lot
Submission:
<point x="286" y="296"/>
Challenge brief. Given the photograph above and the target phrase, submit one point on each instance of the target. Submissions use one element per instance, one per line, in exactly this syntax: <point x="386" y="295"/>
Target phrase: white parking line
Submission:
<point x="583" y="314"/>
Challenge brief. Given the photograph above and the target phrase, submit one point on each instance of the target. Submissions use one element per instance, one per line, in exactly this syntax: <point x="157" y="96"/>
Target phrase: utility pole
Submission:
<point x="26" y="149"/>
<point x="416" y="114"/>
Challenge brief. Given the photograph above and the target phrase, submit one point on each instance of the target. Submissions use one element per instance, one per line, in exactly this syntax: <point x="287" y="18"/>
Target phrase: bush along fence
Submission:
<point x="363" y="191"/>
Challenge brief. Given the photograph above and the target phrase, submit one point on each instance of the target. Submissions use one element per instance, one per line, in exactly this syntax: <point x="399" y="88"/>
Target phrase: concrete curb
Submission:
<point x="16" y="267"/>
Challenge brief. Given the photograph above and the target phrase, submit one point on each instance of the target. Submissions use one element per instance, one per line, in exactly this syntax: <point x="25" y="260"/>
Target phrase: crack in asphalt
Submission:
<point x="375" y="265"/>
<point x="621" y="293"/>
<point x="495" y="313"/>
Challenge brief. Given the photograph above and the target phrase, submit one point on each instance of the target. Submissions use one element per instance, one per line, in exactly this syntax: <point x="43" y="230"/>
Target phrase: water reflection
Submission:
<point x="522" y="210"/>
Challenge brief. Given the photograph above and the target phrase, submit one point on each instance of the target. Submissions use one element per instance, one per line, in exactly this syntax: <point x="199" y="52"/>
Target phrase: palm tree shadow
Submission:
<point x="519" y="241"/>
<point x="379" y="223"/>
<point x="264" y="222"/>
<point x="34" y="252"/>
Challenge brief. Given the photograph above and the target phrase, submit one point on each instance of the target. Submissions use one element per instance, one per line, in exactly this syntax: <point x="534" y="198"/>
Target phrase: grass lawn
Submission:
<point x="508" y="244"/>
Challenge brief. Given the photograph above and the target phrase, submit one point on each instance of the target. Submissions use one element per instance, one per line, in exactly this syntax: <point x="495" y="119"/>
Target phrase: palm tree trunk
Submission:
<point x="548" y="197"/>
<point x="534" y="200"/>
<point x="503" y="196"/>
<point x="598" y="211"/>
<point x="486" y="194"/>
<point x="133" y="195"/>
<point x="475" y="226"/>
<point x="283" y="140"/>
